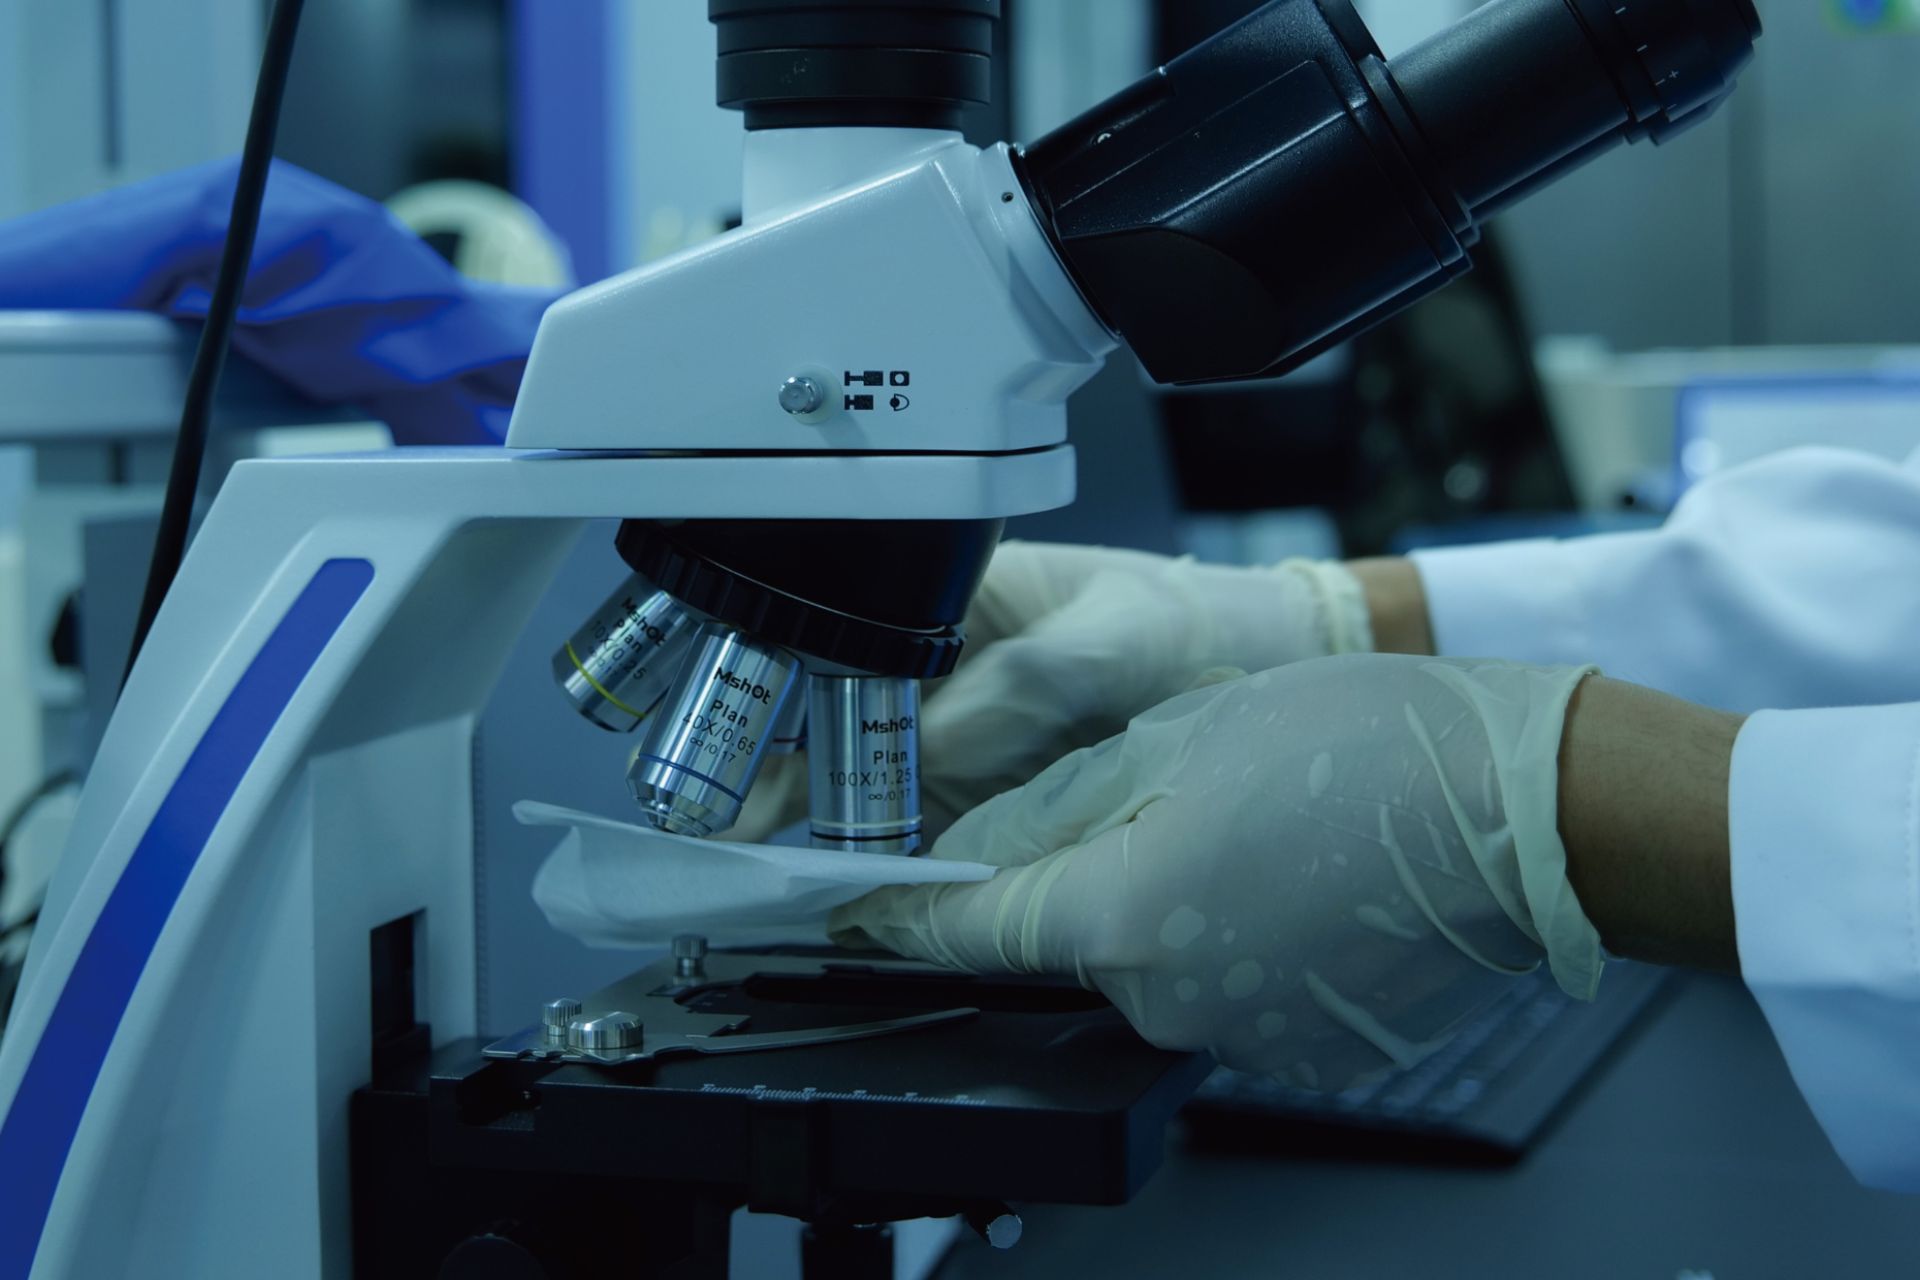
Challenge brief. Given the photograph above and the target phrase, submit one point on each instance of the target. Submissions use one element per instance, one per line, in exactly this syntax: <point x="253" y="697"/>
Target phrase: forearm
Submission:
<point x="1643" y="815"/>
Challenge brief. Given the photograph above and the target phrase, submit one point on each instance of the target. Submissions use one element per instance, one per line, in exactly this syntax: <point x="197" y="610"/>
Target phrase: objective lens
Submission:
<point x="621" y="662"/>
<point x="704" y="747"/>
<point x="790" y="730"/>
<point x="863" y="757"/>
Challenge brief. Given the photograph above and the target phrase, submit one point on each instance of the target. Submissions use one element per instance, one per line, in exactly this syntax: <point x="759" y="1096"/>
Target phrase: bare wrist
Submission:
<point x="1643" y="815"/>
<point x="1397" y="604"/>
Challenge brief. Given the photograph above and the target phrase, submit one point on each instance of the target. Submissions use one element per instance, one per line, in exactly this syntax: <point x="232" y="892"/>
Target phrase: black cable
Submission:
<point x="9" y="985"/>
<point x="17" y="817"/>
<point x="18" y="814"/>
<point x="243" y="221"/>
<point x="21" y="925"/>
<point x="10" y="970"/>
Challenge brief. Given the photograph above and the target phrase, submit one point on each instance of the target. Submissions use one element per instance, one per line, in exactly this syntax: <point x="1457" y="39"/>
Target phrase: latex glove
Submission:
<point x="1319" y="871"/>
<point x="1066" y="643"/>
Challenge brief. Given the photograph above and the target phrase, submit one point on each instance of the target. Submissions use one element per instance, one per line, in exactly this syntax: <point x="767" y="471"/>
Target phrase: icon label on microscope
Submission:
<point x="867" y="403"/>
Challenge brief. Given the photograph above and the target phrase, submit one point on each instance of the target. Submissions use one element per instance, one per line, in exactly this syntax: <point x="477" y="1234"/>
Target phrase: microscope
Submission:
<point x="246" y="1040"/>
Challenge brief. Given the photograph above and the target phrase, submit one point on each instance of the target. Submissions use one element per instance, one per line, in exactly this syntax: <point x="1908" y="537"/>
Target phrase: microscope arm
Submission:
<point x="1282" y="187"/>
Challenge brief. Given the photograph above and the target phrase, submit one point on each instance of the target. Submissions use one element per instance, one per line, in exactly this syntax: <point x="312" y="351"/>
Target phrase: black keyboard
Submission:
<point x="1487" y="1094"/>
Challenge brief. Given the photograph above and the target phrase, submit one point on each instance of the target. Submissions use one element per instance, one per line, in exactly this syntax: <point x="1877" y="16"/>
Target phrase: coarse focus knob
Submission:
<point x="557" y="1015"/>
<point x="615" y="1030"/>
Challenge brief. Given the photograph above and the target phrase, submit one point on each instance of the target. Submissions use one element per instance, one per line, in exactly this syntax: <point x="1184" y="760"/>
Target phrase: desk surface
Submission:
<point x="1689" y="1150"/>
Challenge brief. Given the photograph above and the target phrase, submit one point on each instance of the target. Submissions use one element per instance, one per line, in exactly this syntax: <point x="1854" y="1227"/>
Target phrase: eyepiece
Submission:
<point x="1281" y="187"/>
<point x="1513" y="89"/>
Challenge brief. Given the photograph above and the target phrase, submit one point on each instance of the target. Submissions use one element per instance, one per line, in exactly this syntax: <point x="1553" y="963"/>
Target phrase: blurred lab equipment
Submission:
<point x="102" y="95"/>
<point x="343" y="304"/>
<point x="1625" y="419"/>
<point x="486" y="233"/>
<point x="92" y="408"/>
<point x="1726" y="422"/>
<point x="94" y="394"/>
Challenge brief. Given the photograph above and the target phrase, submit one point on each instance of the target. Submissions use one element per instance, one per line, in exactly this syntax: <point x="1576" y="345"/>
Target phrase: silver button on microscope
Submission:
<point x="689" y="956"/>
<point x="801" y="395"/>
<point x="606" y="1031"/>
<point x="557" y="1015"/>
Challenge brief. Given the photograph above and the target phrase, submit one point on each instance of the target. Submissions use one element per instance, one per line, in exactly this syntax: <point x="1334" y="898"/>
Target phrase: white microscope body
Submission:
<point x="290" y="765"/>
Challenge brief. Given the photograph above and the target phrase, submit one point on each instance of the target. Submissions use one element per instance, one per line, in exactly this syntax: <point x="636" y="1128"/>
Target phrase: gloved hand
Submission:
<point x="1318" y="871"/>
<point x="1066" y="643"/>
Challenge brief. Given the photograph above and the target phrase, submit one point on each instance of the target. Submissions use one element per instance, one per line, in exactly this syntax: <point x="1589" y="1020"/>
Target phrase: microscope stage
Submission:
<point x="1044" y="1095"/>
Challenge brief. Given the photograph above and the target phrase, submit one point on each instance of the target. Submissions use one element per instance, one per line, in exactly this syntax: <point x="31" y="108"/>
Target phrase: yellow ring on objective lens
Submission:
<point x="599" y="688"/>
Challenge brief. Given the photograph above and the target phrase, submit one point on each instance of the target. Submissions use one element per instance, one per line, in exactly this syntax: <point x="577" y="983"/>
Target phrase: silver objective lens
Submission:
<point x="703" y="748"/>
<point x="790" y="730"/>
<point x="863" y="760"/>
<point x="620" y="664"/>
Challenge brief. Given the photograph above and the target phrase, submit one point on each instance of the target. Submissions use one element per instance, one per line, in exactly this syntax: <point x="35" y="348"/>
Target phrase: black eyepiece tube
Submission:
<point x="1568" y="73"/>
<point x="1281" y="187"/>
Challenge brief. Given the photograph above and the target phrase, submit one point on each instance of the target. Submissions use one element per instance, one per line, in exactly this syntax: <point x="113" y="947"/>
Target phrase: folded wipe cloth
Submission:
<point x="614" y="884"/>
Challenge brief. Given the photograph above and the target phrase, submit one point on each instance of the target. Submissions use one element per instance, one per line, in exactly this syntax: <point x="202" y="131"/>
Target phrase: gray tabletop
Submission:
<point x="1689" y="1153"/>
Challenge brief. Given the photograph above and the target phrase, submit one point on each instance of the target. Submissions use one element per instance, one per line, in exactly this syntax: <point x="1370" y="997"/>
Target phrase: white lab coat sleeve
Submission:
<point x="1793" y="582"/>
<point x="1789" y="582"/>
<point x="1824" y="812"/>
